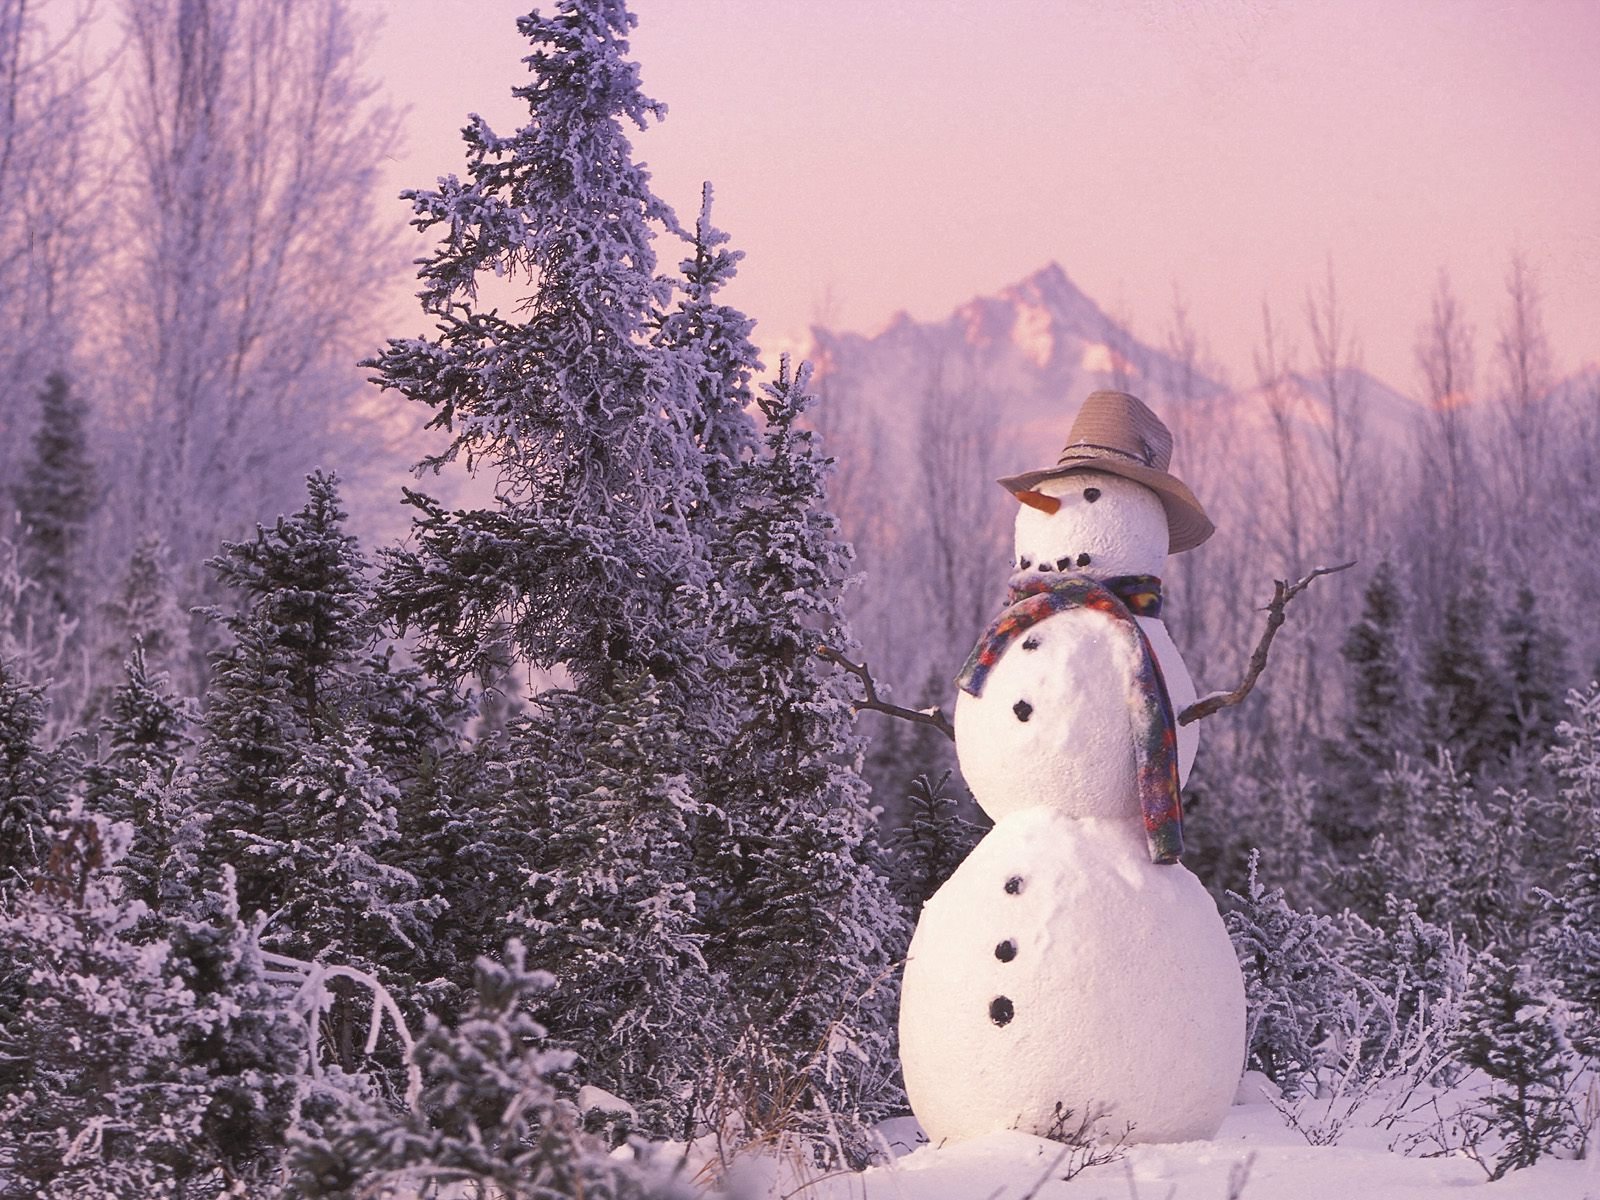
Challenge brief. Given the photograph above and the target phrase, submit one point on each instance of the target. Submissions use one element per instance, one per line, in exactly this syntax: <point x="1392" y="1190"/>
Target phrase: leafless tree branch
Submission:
<point x="1282" y="593"/>
<point x="871" y="702"/>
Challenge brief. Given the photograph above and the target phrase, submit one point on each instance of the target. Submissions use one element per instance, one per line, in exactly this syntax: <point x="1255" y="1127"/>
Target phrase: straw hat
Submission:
<point x="1115" y="433"/>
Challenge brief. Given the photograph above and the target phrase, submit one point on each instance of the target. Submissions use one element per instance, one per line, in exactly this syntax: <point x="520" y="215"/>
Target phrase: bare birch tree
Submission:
<point x="965" y="527"/>
<point x="1522" y="394"/>
<point x="48" y="211"/>
<point x="252" y="258"/>
<point x="1336" y="355"/>
<point x="1273" y="381"/>
<point x="1446" y="466"/>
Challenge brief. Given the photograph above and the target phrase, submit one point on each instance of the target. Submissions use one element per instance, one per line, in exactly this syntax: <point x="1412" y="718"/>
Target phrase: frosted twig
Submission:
<point x="872" y="702"/>
<point x="1282" y="593"/>
<point x="312" y="1000"/>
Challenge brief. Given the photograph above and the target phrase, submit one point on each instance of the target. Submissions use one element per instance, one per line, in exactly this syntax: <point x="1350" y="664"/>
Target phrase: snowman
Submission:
<point x="1071" y="964"/>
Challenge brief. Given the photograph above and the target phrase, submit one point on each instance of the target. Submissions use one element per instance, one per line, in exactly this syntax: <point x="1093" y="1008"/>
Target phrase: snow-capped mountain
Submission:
<point x="1027" y="356"/>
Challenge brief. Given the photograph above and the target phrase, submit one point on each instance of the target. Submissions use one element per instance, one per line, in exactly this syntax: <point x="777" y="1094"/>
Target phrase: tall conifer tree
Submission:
<point x="56" y="499"/>
<point x="587" y="555"/>
<point x="1464" y="706"/>
<point x="805" y="927"/>
<point x="292" y="792"/>
<point x="679" y="837"/>
<point x="29" y="776"/>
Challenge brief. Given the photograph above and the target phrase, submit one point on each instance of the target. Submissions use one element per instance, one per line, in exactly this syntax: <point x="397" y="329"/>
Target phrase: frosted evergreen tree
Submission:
<point x="1381" y="725"/>
<point x="680" y="580"/>
<point x="305" y="580"/>
<point x="489" y="1120"/>
<point x="142" y="1065"/>
<point x="1380" y="693"/>
<point x="1419" y="967"/>
<point x="143" y="738"/>
<point x="144" y="609"/>
<point x="1535" y="669"/>
<point x="1574" y="758"/>
<point x="926" y="849"/>
<point x="1464" y="703"/>
<point x="55" y="500"/>
<point x="288" y="784"/>
<point x="1475" y="884"/>
<point x="460" y="839"/>
<point x="1292" y="981"/>
<point x="803" y="924"/>
<point x="607" y="899"/>
<point x="712" y="340"/>
<point x="1569" y="950"/>
<point x="29" y="779"/>
<point x="587" y="560"/>
<point x="341" y="900"/>
<point x="1508" y="1032"/>
<point x="247" y="744"/>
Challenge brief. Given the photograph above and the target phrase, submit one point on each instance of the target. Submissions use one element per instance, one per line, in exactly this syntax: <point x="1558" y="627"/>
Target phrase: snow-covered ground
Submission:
<point x="1255" y="1156"/>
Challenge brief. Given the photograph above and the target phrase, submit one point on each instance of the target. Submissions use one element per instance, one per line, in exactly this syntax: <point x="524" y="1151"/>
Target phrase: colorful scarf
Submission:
<point x="1155" y="742"/>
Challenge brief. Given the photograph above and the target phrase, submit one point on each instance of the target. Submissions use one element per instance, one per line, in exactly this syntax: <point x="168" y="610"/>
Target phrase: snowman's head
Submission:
<point x="1094" y="523"/>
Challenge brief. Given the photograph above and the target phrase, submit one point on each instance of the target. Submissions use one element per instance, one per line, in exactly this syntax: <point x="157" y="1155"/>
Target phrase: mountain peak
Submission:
<point x="1069" y="309"/>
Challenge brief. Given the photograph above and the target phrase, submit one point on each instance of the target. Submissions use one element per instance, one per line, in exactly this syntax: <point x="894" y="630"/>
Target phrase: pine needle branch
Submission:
<point x="1282" y="593"/>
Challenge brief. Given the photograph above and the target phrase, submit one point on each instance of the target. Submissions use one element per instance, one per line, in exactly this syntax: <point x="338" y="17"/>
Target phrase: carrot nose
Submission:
<point x="1045" y="504"/>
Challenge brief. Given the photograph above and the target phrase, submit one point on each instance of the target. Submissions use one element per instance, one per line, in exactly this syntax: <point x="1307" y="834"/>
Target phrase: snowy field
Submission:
<point x="1254" y="1157"/>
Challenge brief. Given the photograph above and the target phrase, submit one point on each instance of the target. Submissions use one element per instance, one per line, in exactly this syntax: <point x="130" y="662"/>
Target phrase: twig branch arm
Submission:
<point x="872" y="702"/>
<point x="1282" y="593"/>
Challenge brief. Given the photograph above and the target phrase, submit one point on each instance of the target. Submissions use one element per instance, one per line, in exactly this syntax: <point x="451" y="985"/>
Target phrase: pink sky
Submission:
<point x="878" y="155"/>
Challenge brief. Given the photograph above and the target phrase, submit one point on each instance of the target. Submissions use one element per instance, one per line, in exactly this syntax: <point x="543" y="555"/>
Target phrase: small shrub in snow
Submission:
<point x="1509" y="1033"/>
<point x="1292" y="980"/>
<point x="488" y="1119"/>
<point x="926" y="850"/>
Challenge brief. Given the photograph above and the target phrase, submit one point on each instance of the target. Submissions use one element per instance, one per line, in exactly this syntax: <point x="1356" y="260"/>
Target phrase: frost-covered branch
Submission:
<point x="312" y="1000"/>
<point x="1282" y="593"/>
<point x="872" y="702"/>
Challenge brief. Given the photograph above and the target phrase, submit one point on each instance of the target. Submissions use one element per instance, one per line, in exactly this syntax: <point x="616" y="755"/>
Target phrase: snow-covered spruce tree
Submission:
<point x="1292" y="979"/>
<point x="926" y="849"/>
<point x="294" y="795"/>
<point x="139" y="1064"/>
<point x="630" y="494"/>
<point x="55" y="500"/>
<point x="587" y="559"/>
<point x="29" y="779"/>
<point x="606" y="891"/>
<point x="1419" y="968"/>
<point x="144" y="610"/>
<point x="1574" y="758"/>
<point x="801" y="919"/>
<point x="489" y="1119"/>
<point x="1381" y="722"/>
<point x="1569" y="950"/>
<point x="143" y="737"/>
<point x="713" y="340"/>
<point x="1464" y="702"/>
<point x="1535" y="668"/>
<point x="1508" y="1032"/>
<point x="1475" y="883"/>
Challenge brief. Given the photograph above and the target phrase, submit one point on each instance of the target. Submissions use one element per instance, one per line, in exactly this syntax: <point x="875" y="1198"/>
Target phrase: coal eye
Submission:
<point x="1091" y="494"/>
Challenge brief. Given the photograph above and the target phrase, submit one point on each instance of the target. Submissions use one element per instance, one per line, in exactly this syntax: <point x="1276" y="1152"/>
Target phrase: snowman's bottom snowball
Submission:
<point x="1058" y="965"/>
